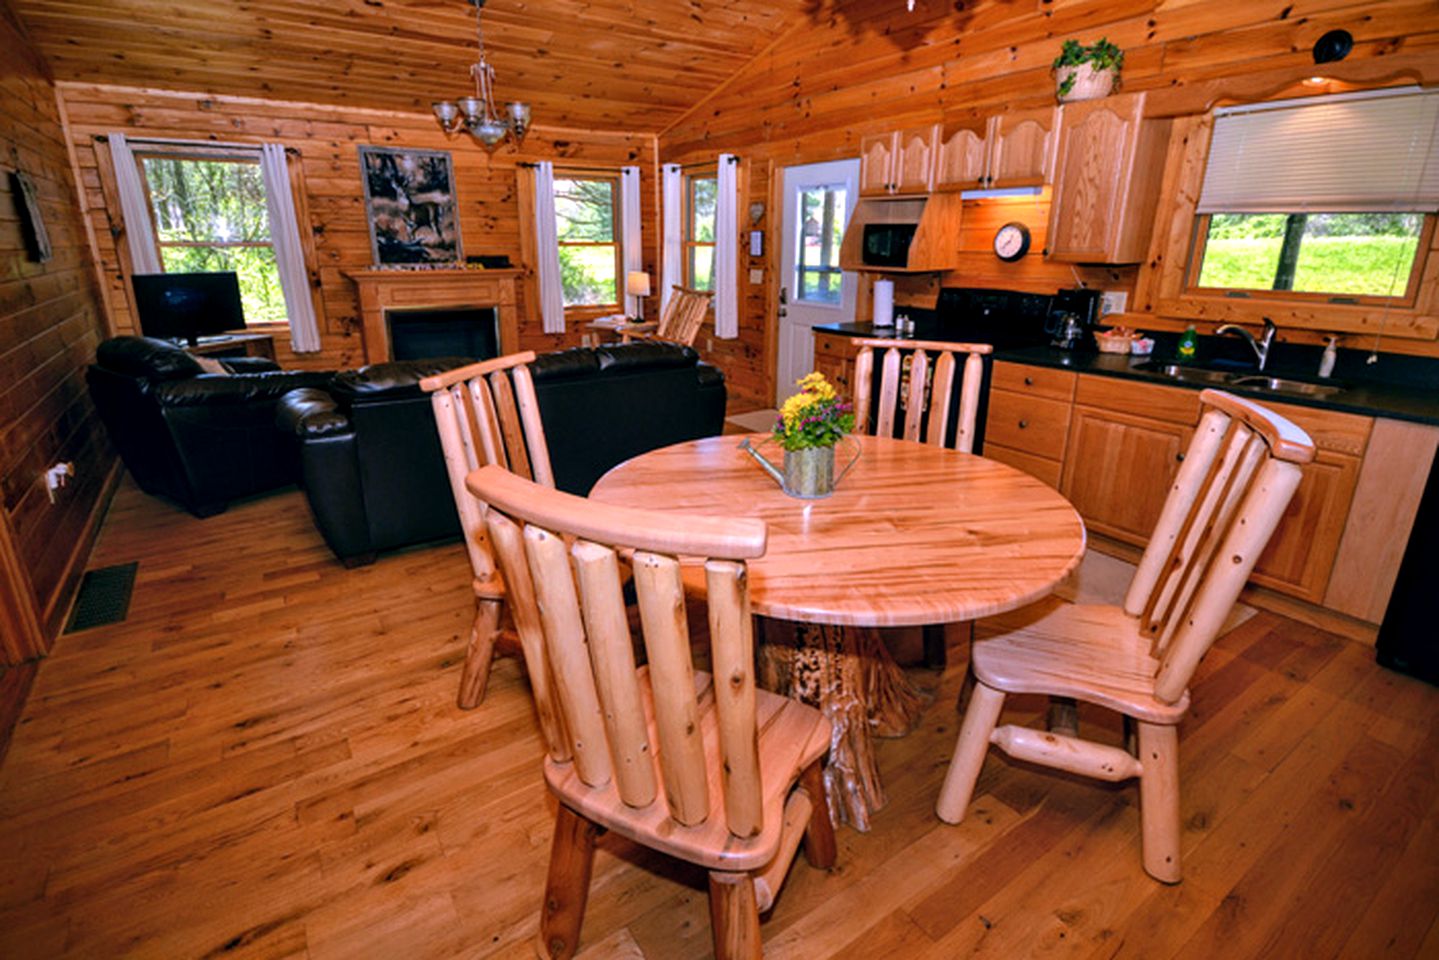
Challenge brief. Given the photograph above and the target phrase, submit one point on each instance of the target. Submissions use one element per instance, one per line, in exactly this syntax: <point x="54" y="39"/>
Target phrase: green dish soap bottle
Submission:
<point x="1188" y="344"/>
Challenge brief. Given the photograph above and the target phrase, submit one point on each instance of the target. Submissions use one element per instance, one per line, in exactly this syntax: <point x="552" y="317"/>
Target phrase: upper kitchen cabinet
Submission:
<point x="1108" y="168"/>
<point x="901" y="162"/>
<point x="1007" y="150"/>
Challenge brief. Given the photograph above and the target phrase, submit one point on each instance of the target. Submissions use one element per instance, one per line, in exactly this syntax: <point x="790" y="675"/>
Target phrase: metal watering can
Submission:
<point x="808" y="474"/>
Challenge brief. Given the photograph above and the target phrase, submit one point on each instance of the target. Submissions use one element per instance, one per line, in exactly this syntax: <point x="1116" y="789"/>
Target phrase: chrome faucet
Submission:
<point x="1261" y="345"/>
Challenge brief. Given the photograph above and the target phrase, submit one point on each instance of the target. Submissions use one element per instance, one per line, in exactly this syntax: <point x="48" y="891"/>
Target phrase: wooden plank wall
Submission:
<point x="50" y="323"/>
<point x="327" y="138"/>
<point x="857" y="67"/>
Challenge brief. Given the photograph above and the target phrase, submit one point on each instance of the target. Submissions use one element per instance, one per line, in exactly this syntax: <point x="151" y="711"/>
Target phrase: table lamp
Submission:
<point x="637" y="284"/>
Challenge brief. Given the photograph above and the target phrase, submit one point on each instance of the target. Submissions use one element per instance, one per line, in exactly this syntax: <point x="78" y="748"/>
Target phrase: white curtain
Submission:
<point x="672" y="269"/>
<point x="289" y="253"/>
<point x="632" y="235"/>
<point x="726" y="278"/>
<point x="134" y="207"/>
<point x="547" y="250"/>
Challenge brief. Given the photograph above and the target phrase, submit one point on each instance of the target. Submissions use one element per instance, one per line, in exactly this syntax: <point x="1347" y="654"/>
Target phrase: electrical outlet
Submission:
<point x="1112" y="301"/>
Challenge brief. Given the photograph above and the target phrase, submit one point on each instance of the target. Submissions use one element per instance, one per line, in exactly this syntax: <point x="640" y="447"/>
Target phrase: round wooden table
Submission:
<point x="914" y="535"/>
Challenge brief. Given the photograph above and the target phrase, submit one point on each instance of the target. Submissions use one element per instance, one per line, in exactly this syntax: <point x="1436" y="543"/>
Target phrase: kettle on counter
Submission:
<point x="1068" y="331"/>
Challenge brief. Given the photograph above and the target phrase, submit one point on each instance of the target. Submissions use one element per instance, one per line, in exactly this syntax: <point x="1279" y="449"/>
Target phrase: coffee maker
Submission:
<point x="1072" y="317"/>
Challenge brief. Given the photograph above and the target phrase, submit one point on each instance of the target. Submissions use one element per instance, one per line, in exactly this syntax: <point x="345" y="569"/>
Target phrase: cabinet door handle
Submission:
<point x="1023" y="424"/>
<point x="1029" y="381"/>
<point x="1179" y="457"/>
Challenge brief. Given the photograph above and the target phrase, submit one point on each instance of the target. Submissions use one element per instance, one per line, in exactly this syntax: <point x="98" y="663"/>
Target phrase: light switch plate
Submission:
<point x="1112" y="301"/>
<point x="756" y="276"/>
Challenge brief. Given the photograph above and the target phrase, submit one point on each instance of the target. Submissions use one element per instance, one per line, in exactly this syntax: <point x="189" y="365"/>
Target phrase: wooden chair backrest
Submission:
<point x="683" y="315"/>
<point x="1237" y="478"/>
<point x="940" y="390"/>
<point x="486" y="413"/>
<point x="572" y="598"/>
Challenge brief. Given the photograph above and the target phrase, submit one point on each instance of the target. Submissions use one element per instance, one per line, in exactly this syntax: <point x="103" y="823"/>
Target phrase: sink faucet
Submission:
<point x="1261" y="345"/>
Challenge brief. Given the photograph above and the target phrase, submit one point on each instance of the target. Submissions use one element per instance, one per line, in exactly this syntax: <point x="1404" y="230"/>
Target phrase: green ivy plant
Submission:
<point x="1102" y="55"/>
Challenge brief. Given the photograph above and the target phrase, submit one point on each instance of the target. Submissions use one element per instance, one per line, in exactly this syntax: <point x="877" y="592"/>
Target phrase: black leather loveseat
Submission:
<point x="200" y="439"/>
<point x="370" y="456"/>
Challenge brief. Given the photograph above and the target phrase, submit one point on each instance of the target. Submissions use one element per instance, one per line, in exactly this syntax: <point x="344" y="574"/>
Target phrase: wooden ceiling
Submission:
<point x="632" y="65"/>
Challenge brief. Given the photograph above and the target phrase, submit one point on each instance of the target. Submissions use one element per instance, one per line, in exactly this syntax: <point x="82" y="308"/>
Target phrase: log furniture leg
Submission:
<point x="1063" y="716"/>
<point x="969" y="753"/>
<point x="572" y="854"/>
<point x="734" y="917"/>
<point x="480" y="653"/>
<point x="1159" y="800"/>
<point x="819" y="843"/>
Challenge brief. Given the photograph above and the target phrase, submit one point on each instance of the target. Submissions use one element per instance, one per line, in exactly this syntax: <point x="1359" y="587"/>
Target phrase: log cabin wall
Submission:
<point x="867" y="66"/>
<point x="50" y="323"/>
<point x="327" y="138"/>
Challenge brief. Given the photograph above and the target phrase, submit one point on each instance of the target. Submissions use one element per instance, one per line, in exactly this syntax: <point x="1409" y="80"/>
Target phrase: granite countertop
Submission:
<point x="1367" y="397"/>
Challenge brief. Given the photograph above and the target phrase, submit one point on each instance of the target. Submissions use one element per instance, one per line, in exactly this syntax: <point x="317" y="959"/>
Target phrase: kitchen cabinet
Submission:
<point x="1027" y="425"/>
<point x="1108" y="166"/>
<point x="1006" y="150"/>
<point x="834" y="357"/>
<point x="900" y="162"/>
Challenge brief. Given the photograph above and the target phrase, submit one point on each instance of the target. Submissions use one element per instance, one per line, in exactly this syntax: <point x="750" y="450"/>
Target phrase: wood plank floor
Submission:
<point x="265" y="761"/>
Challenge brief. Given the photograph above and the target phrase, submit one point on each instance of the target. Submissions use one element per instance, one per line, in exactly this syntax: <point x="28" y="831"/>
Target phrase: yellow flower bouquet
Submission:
<point x="814" y="417"/>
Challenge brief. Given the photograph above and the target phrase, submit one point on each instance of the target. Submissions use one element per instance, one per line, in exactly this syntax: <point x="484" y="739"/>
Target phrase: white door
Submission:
<point x="818" y="199"/>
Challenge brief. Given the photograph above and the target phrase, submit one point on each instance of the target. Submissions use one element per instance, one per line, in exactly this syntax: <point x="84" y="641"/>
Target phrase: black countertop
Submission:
<point x="1368" y="397"/>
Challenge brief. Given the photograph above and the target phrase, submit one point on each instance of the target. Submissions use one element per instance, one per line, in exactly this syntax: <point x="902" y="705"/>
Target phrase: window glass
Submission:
<point x="589" y="253"/>
<point x="821" y="227"/>
<point x="700" y="214"/>
<point x="210" y="215"/>
<point x="1343" y="254"/>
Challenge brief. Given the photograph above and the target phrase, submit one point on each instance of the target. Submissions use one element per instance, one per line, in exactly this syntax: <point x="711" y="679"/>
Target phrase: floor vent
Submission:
<point x="104" y="597"/>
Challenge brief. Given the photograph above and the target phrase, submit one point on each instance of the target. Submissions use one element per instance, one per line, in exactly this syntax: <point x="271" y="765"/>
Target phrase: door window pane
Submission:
<point x="1344" y="254"/>
<point x="822" y="217"/>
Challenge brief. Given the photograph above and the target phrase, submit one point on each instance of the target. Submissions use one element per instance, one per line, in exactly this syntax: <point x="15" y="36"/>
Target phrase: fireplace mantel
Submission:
<point x="382" y="290"/>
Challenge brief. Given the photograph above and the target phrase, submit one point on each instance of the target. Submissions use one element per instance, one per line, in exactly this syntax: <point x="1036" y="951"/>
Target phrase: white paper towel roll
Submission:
<point x="884" y="303"/>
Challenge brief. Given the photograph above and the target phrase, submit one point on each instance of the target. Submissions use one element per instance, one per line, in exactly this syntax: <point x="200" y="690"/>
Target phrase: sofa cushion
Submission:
<point x="621" y="358"/>
<point x="212" y="391"/>
<point x="310" y="412"/>
<point x="146" y="357"/>
<point x="393" y="380"/>
<point x="565" y="364"/>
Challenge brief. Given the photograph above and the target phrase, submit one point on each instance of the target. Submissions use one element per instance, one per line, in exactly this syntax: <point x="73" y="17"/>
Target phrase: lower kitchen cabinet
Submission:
<point x="1119" y="470"/>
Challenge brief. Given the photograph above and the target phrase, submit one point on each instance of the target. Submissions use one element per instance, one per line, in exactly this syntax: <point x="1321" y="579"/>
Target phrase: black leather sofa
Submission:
<point x="200" y="439"/>
<point x="370" y="457"/>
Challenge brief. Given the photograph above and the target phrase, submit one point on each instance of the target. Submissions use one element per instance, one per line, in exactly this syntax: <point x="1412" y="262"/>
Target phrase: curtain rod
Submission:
<point x="175" y="142"/>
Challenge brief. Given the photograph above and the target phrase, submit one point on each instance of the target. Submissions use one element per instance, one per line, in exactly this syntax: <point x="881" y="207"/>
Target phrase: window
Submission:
<point x="821" y="227"/>
<point x="210" y="215"/>
<point x="1320" y="198"/>
<point x="701" y="196"/>
<point x="1345" y="255"/>
<point x="589" y="251"/>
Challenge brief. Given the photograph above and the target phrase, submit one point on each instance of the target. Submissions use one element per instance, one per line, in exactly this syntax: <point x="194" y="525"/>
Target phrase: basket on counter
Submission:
<point x="1123" y="340"/>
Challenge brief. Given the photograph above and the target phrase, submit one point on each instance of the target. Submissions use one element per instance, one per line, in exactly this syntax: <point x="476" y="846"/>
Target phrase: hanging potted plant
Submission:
<point x="1087" y="73"/>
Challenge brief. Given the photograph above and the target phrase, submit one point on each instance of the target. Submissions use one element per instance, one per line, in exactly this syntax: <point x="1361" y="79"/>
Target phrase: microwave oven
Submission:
<point x="887" y="244"/>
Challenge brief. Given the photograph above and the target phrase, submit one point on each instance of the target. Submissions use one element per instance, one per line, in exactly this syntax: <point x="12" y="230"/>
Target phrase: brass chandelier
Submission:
<point x="477" y="114"/>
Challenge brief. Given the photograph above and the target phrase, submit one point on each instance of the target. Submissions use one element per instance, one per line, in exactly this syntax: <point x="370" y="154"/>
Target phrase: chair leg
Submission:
<point x="572" y="854"/>
<point x="479" y="654"/>
<point x="1159" y="800"/>
<point x="734" y="917"/>
<point x="819" y="843"/>
<point x="1063" y="716"/>
<point x="969" y="752"/>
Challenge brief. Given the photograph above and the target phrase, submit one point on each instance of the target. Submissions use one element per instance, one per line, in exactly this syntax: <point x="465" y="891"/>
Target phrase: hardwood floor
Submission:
<point x="265" y="760"/>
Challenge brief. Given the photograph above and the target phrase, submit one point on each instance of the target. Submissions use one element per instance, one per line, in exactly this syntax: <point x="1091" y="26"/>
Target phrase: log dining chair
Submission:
<point x="680" y="323"/>
<point x="738" y="784"/>
<point x="1237" y="477"/>
<point x="486" y="413"/>
<point x="922" y="382"/>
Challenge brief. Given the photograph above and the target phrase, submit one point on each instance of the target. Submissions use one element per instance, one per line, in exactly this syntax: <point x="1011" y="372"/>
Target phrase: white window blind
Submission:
<point x="1371" y="151"/>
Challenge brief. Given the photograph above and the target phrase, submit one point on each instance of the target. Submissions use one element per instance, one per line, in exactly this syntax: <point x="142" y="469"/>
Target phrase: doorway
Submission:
<point x="818" y="198"/>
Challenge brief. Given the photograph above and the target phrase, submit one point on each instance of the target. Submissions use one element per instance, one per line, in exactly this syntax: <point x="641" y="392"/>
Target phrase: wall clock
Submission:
<point x="1011" y="241"/>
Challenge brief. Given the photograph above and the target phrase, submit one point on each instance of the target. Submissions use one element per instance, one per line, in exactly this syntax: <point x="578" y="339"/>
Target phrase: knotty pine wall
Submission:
<point x="50" y="322"/>
<point x="867" y="66"/>
<point x="327" y="139"/>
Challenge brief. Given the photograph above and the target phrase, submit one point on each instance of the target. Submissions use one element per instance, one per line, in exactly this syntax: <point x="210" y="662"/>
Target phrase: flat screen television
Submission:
<point x="188" y="305"/>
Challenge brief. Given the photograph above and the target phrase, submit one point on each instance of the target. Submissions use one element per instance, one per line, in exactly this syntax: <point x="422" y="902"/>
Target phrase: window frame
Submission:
<point x="1408" y="299"/>
<point x="687" y="223"/>
<point x="217" y="155"/>
<point x="800" y="268"/>
<point x="617" y="224"/>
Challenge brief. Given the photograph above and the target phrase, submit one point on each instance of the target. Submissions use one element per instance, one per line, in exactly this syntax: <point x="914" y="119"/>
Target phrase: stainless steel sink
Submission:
<point x="1244" y="381"/>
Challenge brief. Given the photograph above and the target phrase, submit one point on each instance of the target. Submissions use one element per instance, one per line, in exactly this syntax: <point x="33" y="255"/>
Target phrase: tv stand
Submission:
<point x="234" y="345"/>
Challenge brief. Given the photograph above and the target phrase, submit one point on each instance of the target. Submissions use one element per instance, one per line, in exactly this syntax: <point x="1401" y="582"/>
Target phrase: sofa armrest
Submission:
<point x="311" y="412"/>
<point x="217" y="389"/>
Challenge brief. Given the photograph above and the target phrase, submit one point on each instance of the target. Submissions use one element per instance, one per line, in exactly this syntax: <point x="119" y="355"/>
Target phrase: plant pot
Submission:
<point x="809" y="473"/>
<point x="1089" y="84"/>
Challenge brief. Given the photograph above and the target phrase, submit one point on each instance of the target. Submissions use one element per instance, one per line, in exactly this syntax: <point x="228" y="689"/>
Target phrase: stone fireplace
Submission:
<point x="387" y="295"/>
